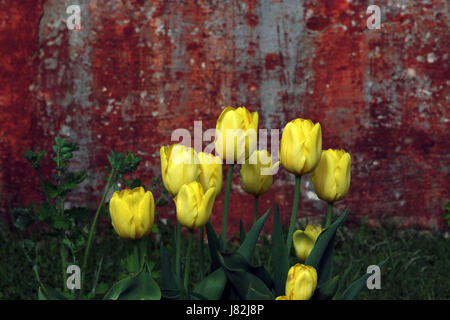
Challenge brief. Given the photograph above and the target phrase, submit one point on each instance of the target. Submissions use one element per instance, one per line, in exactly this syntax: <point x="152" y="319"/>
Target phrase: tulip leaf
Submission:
<point x="48" y="293"/>
<point x="328" y="289"/>
<point x="213" y="244"/>
<point x="138" y="287"/>
<point x="212" y="286"/>
<point x="248" y="246"/>
<point x="355" y="287"/>
<point x="321" y="256"/>
<point x="169" y="283"/>
<point x="248" y="285"/>
<point x="242" y="234"/>
<point x="279" y="254"/>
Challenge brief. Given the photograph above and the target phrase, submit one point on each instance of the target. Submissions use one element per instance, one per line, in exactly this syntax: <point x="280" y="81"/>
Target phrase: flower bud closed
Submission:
<point x="236" y="134"/>
<point x="179" y="165"/>
<point x="331" y="178"/>
<point x="132" y="212"/>
<point x="304" y="241"/>
<point x="301" y="146"/>
<point x="257" y="173"/>
<point x="210" y="172"/>
<point x="301" y="283"/>
<point x="194" y="207"/>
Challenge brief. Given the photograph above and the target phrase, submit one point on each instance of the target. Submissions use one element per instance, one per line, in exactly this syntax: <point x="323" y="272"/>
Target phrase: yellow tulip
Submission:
<point x="304" y="241"/>
<point x="301" y="283"/>
<point x="257" y="173"/>
<point x="132" y="212"/>
<point x="194" y="207"/>
<point x="179" y="165"/>
<point x="301" y="146"/>
<point x="210" y="172"/>
<point x="236" y="134"/>
<point x="331" y="178"/>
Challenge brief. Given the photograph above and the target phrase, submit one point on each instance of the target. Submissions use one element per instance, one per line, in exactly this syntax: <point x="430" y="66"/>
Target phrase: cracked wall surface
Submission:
<point x="139" y="69"/>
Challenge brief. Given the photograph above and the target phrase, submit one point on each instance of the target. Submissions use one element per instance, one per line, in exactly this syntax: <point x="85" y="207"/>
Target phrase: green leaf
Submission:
<point x="321" y="256"/>
<point x="213" y="244"/>
<point x="279" y="255"/>
<point x="355" y="287"/>
<point x="213" y="285"/>
<point x="34" y="158"/>
<point x="50" y="189"/>
<point x="248" y="246"/>
<point x="248" y="286"/>
<point x="328" y="289"/>
<point x="242" y="233"/>
<point x="23" y="218"/>
<point x="45" y="211"/>
<point x="47" y="293"/>
<point x="169" y="283"/>
<point x="138" y="287"/>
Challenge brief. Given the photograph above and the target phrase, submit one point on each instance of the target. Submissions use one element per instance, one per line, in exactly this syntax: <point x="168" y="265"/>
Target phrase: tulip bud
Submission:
<point x="194" y="207"/>
<point x="132" y="213"/>
<point x="304" y="241"/>
<point x="179" y="165"/>
<point x="236" y="134"/>
<point x="301" y="146"/>
<point x="210" y="172"/>
<point x="331" y="178"/>
<point x="257" y="173"/>
<point x="301" y="283"/>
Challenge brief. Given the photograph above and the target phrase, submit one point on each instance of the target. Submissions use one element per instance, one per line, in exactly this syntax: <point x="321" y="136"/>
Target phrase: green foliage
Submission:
<point x="447" y="213"/>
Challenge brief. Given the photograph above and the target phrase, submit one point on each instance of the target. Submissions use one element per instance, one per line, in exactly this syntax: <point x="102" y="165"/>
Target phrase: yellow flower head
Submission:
<point x="194" y="207"/>
<point x="331" y="178"/>
<point x="210" y="172"/>
<point x="301" y="146"/>
<point x="301" y="283"/>
<point x="179" y="165"/>
<point x="236" y="134"/>
<point x="257" y="173"/>
<point x="304" y="241"/>
<point x="132" y="212"/>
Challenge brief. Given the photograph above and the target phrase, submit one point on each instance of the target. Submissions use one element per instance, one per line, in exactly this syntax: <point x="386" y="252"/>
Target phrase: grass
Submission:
<point x="418" y="265"/>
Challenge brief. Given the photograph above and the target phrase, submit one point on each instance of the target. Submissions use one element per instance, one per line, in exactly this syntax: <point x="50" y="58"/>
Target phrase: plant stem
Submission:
<point x="202" y="267"/>
<point x="188" y="261"/>
<point x="178" y="251"/>
<point x="225" y="206"/>
<point x="92" y="230"/>
<point x="255" y="209"/>
<point x="294" y="213"/>
<point x="63" y="252"/>
<point x="329" y="214"/>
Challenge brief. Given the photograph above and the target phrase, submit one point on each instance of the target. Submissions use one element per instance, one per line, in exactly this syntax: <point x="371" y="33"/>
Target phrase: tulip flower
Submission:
<point x="236" y="134"/>
<point x="301" y="283"/>
<point x="132" y="212"/>
<point x="210" y="172"/>
<point x="256" y="173"/>
<point x="300" y="150"/>
<point x="301" y="146"/>
<point x="236" y="139"/>
<point x="331" y="178"/>
<point x="179" y="165"/>
<point x="304" y="241"/>
<point x="193" y="205"/>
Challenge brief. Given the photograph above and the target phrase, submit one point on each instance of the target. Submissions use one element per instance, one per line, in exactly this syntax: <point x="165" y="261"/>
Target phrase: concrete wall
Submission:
<point x="139" y="69"/>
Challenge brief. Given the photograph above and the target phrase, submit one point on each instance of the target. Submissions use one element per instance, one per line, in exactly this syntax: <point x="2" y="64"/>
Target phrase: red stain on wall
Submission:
<point x="140" y="69"/>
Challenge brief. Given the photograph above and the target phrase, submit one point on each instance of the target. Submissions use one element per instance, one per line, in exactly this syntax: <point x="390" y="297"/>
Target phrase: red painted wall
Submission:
<point x="140" y="69"/>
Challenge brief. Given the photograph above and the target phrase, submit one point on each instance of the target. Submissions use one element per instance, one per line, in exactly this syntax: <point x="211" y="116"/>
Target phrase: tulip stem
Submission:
<point x="178" y="252"/>
<point x="294" y="213"/>
<point x="225" y="206"/>
<point x="188" y="261"/>
<point x="329" y="214"/>
<point x="202" y="267"/>
<point x="255" y="208"/>
<point x="92" y="231"/>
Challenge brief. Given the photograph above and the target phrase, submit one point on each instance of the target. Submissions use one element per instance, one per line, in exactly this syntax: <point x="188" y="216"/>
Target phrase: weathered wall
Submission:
<point x="139" y="69"/>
